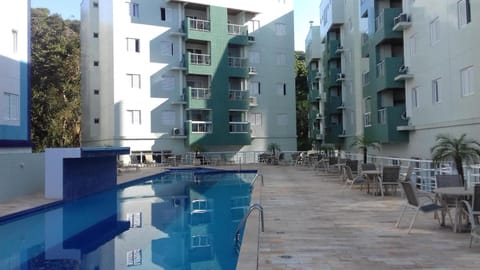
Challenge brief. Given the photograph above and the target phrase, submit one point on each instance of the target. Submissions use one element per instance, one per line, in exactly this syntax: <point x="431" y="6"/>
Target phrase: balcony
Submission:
<point x="239" y="99"/>
<point x="384" y="129"/>
<point x="384" y="27"/>
<point x="313" y="95"/>
<point x="238" y="66"/>
<point x="198" y="63"/>
<point x="403" y="74"/>
<point x="333" y="133"/>
<point x="331" y="78"/>
<point x="200" y="126"/>
<point x="365" y="46"/>
<point x="331" y="50"/>
<point x="197" y="98"/>
<point x="196" y="28"/>
<point x="333" y="103"/>
<point x="386" y="72"/>
<point x="238" y="33"/>
<point x="401" y="22"/>
<point x="239" y="127"/>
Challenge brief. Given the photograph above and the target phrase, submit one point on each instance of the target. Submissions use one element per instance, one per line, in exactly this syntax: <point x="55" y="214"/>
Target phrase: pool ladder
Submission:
<point x="243" y="222"/>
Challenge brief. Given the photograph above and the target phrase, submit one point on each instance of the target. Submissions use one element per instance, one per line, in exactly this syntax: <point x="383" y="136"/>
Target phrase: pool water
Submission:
<point x="182" y="219"/>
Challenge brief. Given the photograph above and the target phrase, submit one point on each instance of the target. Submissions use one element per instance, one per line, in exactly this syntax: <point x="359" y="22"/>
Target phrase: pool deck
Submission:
<point x="310" y="223"/>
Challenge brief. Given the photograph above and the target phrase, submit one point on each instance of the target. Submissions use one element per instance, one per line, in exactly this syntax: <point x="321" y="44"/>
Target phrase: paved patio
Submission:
<point x="310" y="223"/>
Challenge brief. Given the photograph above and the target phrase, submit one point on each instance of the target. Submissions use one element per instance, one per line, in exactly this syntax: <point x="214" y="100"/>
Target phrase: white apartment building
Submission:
<point x="15" y="79"/>
<point x="163" y="76"/>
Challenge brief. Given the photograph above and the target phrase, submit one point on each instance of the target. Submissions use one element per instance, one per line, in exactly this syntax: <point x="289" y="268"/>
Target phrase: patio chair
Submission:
<point x="390" y="177"/>
<point x="350" y="180"/>
<point x="368" y="166"/>
<point x="413" y="202"/>
<point x="407" y="175"/>
<point x="473" y="211"/>
<point x="353" y="164"/>
<point x="448" y="180"/>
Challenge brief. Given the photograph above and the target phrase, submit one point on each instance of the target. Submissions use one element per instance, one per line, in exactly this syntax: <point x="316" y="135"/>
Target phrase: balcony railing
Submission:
<point x="239" y="127"/>
<point x="199" y="25"/>
<point x="238" y="94"/>
<point x="236" y="29"/>
<point x="201" y="127"/>
<point x="366" y="78"/>
<point x="200" y="93"/>
<point x="381" y="69"/>
<point x="199" y="59"/>
<point x="237" y="62"/>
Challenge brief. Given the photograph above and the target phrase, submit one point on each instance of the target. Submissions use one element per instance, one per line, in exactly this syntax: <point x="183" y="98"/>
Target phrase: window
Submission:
<point x="96" y="63"/>
<point x="412" y="41"/>
<point x="282" y="119"/>
<point x="96" y="120"/>
<point x="415" y="97"/>
<point x="134" y="80"/>
<point x="133" y="45"/>
<point x="334" y="119"/>
<point x="95" y="4"/>
<point x="13" y="107"/>
<point x="167" y="83"/>
<point x="15" y="41"/>
<point x="280" y="29"/>
<point x="255" y="119"/>
<point x="434" y="31"/>
<point x="135" y="219"/>
<point x="254" y="88"/>
<point x="281" y="89"/>
<point x="134" y="117"/>
<point x="254" y="57"/>
<point x="134" y="257"/>
<point x="436" y="91"/>
<point x="200" y="241"/>
<point x="281" y="59"/>
<point x="367" y="117"/>
<point x="466" y="81"/>
<point x="95" y="35"/>
<point x="463" y="12"/>
<point x="96" y="91"/>
<point x="163" y="15"/>
<point x="134" y="10"/>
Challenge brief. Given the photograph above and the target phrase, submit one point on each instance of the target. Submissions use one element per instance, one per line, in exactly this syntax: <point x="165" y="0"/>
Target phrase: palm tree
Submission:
<point x="363" y="143"/>
<point x="458" y="150"/>
<point x="272" y="147"/>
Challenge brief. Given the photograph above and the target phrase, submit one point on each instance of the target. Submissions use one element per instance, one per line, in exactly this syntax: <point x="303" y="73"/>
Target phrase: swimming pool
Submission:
<point x="181" y="219"/>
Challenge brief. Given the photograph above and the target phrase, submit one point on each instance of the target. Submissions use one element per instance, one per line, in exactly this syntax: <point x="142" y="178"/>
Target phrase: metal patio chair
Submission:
<point x="390" y="177"/>
<point x="473" y="211"/>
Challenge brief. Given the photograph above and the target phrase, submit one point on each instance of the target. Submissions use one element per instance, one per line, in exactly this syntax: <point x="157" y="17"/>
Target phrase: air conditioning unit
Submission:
<point x="339" y="49"/>
<point x="176" y="132"/>
<point x="251" y="38"/>
<point x="403" y="69"/>
<point x="403" y="17"/>
<point x="340" y="76"/>
<point x="252" y="70"/>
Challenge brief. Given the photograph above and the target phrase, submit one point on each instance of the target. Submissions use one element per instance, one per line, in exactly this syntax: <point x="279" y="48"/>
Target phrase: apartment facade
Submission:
<point x="421" y="73"/>
<point x="163" y="76"/>
<point x="15" y="79"/>
<point x="340" y="81"/>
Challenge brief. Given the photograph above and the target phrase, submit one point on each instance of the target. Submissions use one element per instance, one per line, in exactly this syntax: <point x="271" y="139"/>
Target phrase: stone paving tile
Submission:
<point x="311" y="223"/>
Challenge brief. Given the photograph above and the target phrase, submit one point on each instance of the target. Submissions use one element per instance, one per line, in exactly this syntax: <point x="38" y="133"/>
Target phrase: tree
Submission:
<point x="301" y="91"/>
<point x="362" y="143"/>
<point x="458" y="150"/>
<point x="55" y="78"/>
<point x="273" y="147"/>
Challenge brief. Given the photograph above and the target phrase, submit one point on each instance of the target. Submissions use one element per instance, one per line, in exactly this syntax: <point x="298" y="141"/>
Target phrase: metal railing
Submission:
<point x="242" y="223"/>
<point x="237" y="62"/>
<point x="199" y="25"/>
<point x="200" y="93"/>
<point x="199" y="59"/>
<point x="239" y="127"/>
<point x="236" y="29"/>
<point x="201" y="127"/>
<point x="382" y="116"/>
<point x="238" y="94"/>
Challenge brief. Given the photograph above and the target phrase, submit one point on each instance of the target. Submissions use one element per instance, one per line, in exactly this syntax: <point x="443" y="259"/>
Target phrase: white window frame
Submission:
<point x="12" y="113"/>
<point x="14" y="40"/>
<point x="435" y="31"/>
<point x="134" y="117"/>
<point x="255" y="119"/>
<point x="436" y="91"/>
<point x="463" y="10"/>
<point x="412" y="42"/>
<point x="135" y="80"/>
<point x="414" y="97"/>
<point x="280" y="29"/>
<point x="467" y="81"/>
<point x="133" y="45"/>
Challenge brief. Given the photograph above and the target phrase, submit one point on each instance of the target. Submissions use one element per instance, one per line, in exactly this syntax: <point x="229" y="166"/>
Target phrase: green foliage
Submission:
<point x="55" y="77"/>
<point x="362" y="143"/>
<point x="273" y="147"/>
<point x="458" y="150"/>
<point x="301" y="90"/>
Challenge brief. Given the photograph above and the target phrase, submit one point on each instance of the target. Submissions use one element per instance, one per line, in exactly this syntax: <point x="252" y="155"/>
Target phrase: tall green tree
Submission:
<point x="458" y="150"/>
<point x="301" y="91"/>
<point x="55" y="78"/>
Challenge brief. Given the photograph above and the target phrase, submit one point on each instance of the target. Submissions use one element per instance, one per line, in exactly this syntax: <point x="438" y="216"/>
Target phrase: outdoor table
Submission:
<point x="371" y="175"/>
<point x="458" y="193"/>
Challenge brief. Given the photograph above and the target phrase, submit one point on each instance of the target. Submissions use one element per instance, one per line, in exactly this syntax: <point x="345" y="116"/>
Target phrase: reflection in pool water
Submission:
<point x="176" y="220"/>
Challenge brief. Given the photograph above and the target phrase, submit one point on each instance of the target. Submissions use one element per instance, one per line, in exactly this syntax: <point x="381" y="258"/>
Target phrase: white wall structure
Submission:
<point x="15" y="79"/>
<point x="137" y="75"/>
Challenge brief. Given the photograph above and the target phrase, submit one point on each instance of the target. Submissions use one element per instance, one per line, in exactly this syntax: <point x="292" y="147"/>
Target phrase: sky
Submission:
<point x="305" y="11"/>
